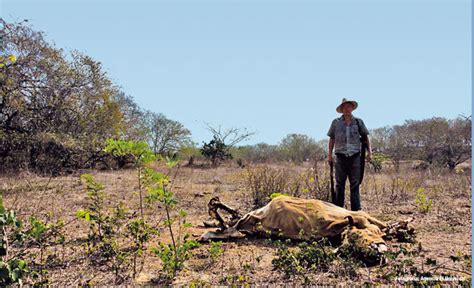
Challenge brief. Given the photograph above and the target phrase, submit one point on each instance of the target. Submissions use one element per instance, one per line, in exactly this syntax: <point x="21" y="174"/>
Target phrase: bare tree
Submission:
<point x="398" y="147"/>
<point x="300" y="147"/>
<point x="436" y="140"/>
<point x="457" y="145"/>
<point x="380" y="139"/>
<point x="231" y="136"/>
<point x="218" y="149"/>
<point x="134" y="126"/>
<point x="165" y="136"/>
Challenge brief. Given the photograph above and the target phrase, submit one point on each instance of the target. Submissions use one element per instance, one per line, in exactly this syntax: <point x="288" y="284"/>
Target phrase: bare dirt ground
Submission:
<point x="443" y="232"/>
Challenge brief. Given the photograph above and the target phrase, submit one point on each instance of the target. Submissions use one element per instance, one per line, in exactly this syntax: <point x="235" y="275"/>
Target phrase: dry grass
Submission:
<point x="443" y="231"/>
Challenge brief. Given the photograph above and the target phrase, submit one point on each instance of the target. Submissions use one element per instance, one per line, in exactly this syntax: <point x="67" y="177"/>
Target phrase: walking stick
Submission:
<point x="333" y="193"/>
<point x="363" y="140"/>
<point x="362" y="159"/>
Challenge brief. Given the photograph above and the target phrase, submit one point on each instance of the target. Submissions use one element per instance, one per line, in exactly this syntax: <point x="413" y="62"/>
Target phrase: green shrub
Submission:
<point x="14" y="269"/>
<point x="215" y="250"/>
<point x="305" y="257"/>
<point x="377" y="160"/>
<point x="422" y="202"/>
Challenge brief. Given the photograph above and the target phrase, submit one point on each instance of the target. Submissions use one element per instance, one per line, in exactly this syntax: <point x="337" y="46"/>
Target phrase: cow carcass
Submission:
<point x="305" y="219"/>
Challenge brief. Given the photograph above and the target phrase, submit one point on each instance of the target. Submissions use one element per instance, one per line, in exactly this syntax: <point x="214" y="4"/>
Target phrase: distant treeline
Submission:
<point x="58" y="109"/>
<point x="438" y="141"/>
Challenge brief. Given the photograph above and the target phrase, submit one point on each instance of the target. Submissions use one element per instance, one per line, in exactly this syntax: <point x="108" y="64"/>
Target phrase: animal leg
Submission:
<point x="214" y="205"/>
<point x="401" y="231"/>
<point x="376" y="222"/>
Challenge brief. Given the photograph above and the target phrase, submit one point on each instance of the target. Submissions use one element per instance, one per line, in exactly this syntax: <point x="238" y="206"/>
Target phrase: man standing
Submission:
<point x="345" y="135"/>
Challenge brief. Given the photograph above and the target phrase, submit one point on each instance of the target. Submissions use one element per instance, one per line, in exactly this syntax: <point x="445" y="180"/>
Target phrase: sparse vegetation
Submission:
<point x="74" y="221"/>
<point x="125" y="238"/>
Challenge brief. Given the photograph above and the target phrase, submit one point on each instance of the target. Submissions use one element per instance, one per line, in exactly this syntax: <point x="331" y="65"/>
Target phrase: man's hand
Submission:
<point x="330" y="158"/>
<point x="369" y="156"/>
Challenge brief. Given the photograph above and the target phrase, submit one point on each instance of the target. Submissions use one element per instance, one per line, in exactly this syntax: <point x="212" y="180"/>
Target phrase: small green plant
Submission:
<point x="199" y="284"/>
<point x="401" y="264"/>
<point x="174" y="254"/>
<point x="41" y="234"/>
<point x="105" y="231"/>
<point x="215" y="250"/>
<point x="138" y="230"/>
<point x="423" y="203"/>
<point x="305" y="257"/>
<point x="236" y="280"/>
<point x="94" y="214"/>
<point x="157" y="185"/>
<point x="141" y="154"/>
<point x="377" y="160"/>
<point x="12" y="270"/>
<point x="140" y="233"/>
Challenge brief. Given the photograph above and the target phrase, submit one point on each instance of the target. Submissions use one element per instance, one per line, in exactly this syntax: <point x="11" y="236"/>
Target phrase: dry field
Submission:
<point x="443" y="231"/>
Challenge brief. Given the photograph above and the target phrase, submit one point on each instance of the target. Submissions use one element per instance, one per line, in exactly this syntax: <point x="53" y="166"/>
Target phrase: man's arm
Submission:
<point x="365" y="134"/>
<point x="331" y="133"/>
<point x="330" y="148"/>
<point x="369" y="149"/>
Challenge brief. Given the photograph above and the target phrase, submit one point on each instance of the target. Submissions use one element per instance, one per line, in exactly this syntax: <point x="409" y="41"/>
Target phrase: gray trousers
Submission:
<point x="348" y="167"/>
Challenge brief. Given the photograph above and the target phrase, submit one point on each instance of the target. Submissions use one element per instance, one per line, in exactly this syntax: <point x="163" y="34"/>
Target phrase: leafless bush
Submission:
<point x="265" y="181"/>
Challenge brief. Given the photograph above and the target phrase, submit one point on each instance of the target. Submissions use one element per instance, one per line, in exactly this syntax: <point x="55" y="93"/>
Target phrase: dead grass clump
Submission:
<point x="265" y="181"/>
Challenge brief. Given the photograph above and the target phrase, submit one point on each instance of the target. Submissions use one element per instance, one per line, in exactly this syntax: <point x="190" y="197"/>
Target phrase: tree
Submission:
<point x="55" y="112"/>
<point x="133" y="123"/>
<point x="165" y="136"/>
<point x="426" y="137"/>
<point x="379" y="139"/>
<point x="259" y="153"/>
<point x="324" y="144"/>
<point x="436" y="140"/>
<point x="457" y="144"/>
<point x="217" y="149"/>
<point x="397" y="146"/>
<point x="300" y="148"/>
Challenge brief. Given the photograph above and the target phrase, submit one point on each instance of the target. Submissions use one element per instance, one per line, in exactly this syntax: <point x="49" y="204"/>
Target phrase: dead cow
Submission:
<point x="306" y="219"/>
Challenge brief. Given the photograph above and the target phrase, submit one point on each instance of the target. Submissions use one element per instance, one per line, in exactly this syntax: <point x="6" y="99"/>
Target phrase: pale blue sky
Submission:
<point x="275" y="67"/>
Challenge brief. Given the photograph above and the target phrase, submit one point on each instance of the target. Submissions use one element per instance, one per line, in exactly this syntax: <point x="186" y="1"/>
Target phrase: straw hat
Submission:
<point x="344" y="100"/>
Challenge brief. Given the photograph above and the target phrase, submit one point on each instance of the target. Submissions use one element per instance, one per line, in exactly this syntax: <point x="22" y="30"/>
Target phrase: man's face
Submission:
<point x="347" y="108"/>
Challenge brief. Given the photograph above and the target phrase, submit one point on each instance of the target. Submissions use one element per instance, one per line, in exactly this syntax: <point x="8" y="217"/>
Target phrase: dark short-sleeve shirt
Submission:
<point x="347" y="137"/>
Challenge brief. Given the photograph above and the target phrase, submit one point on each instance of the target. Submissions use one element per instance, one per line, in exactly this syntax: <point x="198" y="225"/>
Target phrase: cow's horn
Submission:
<point x="351" y="220"/>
